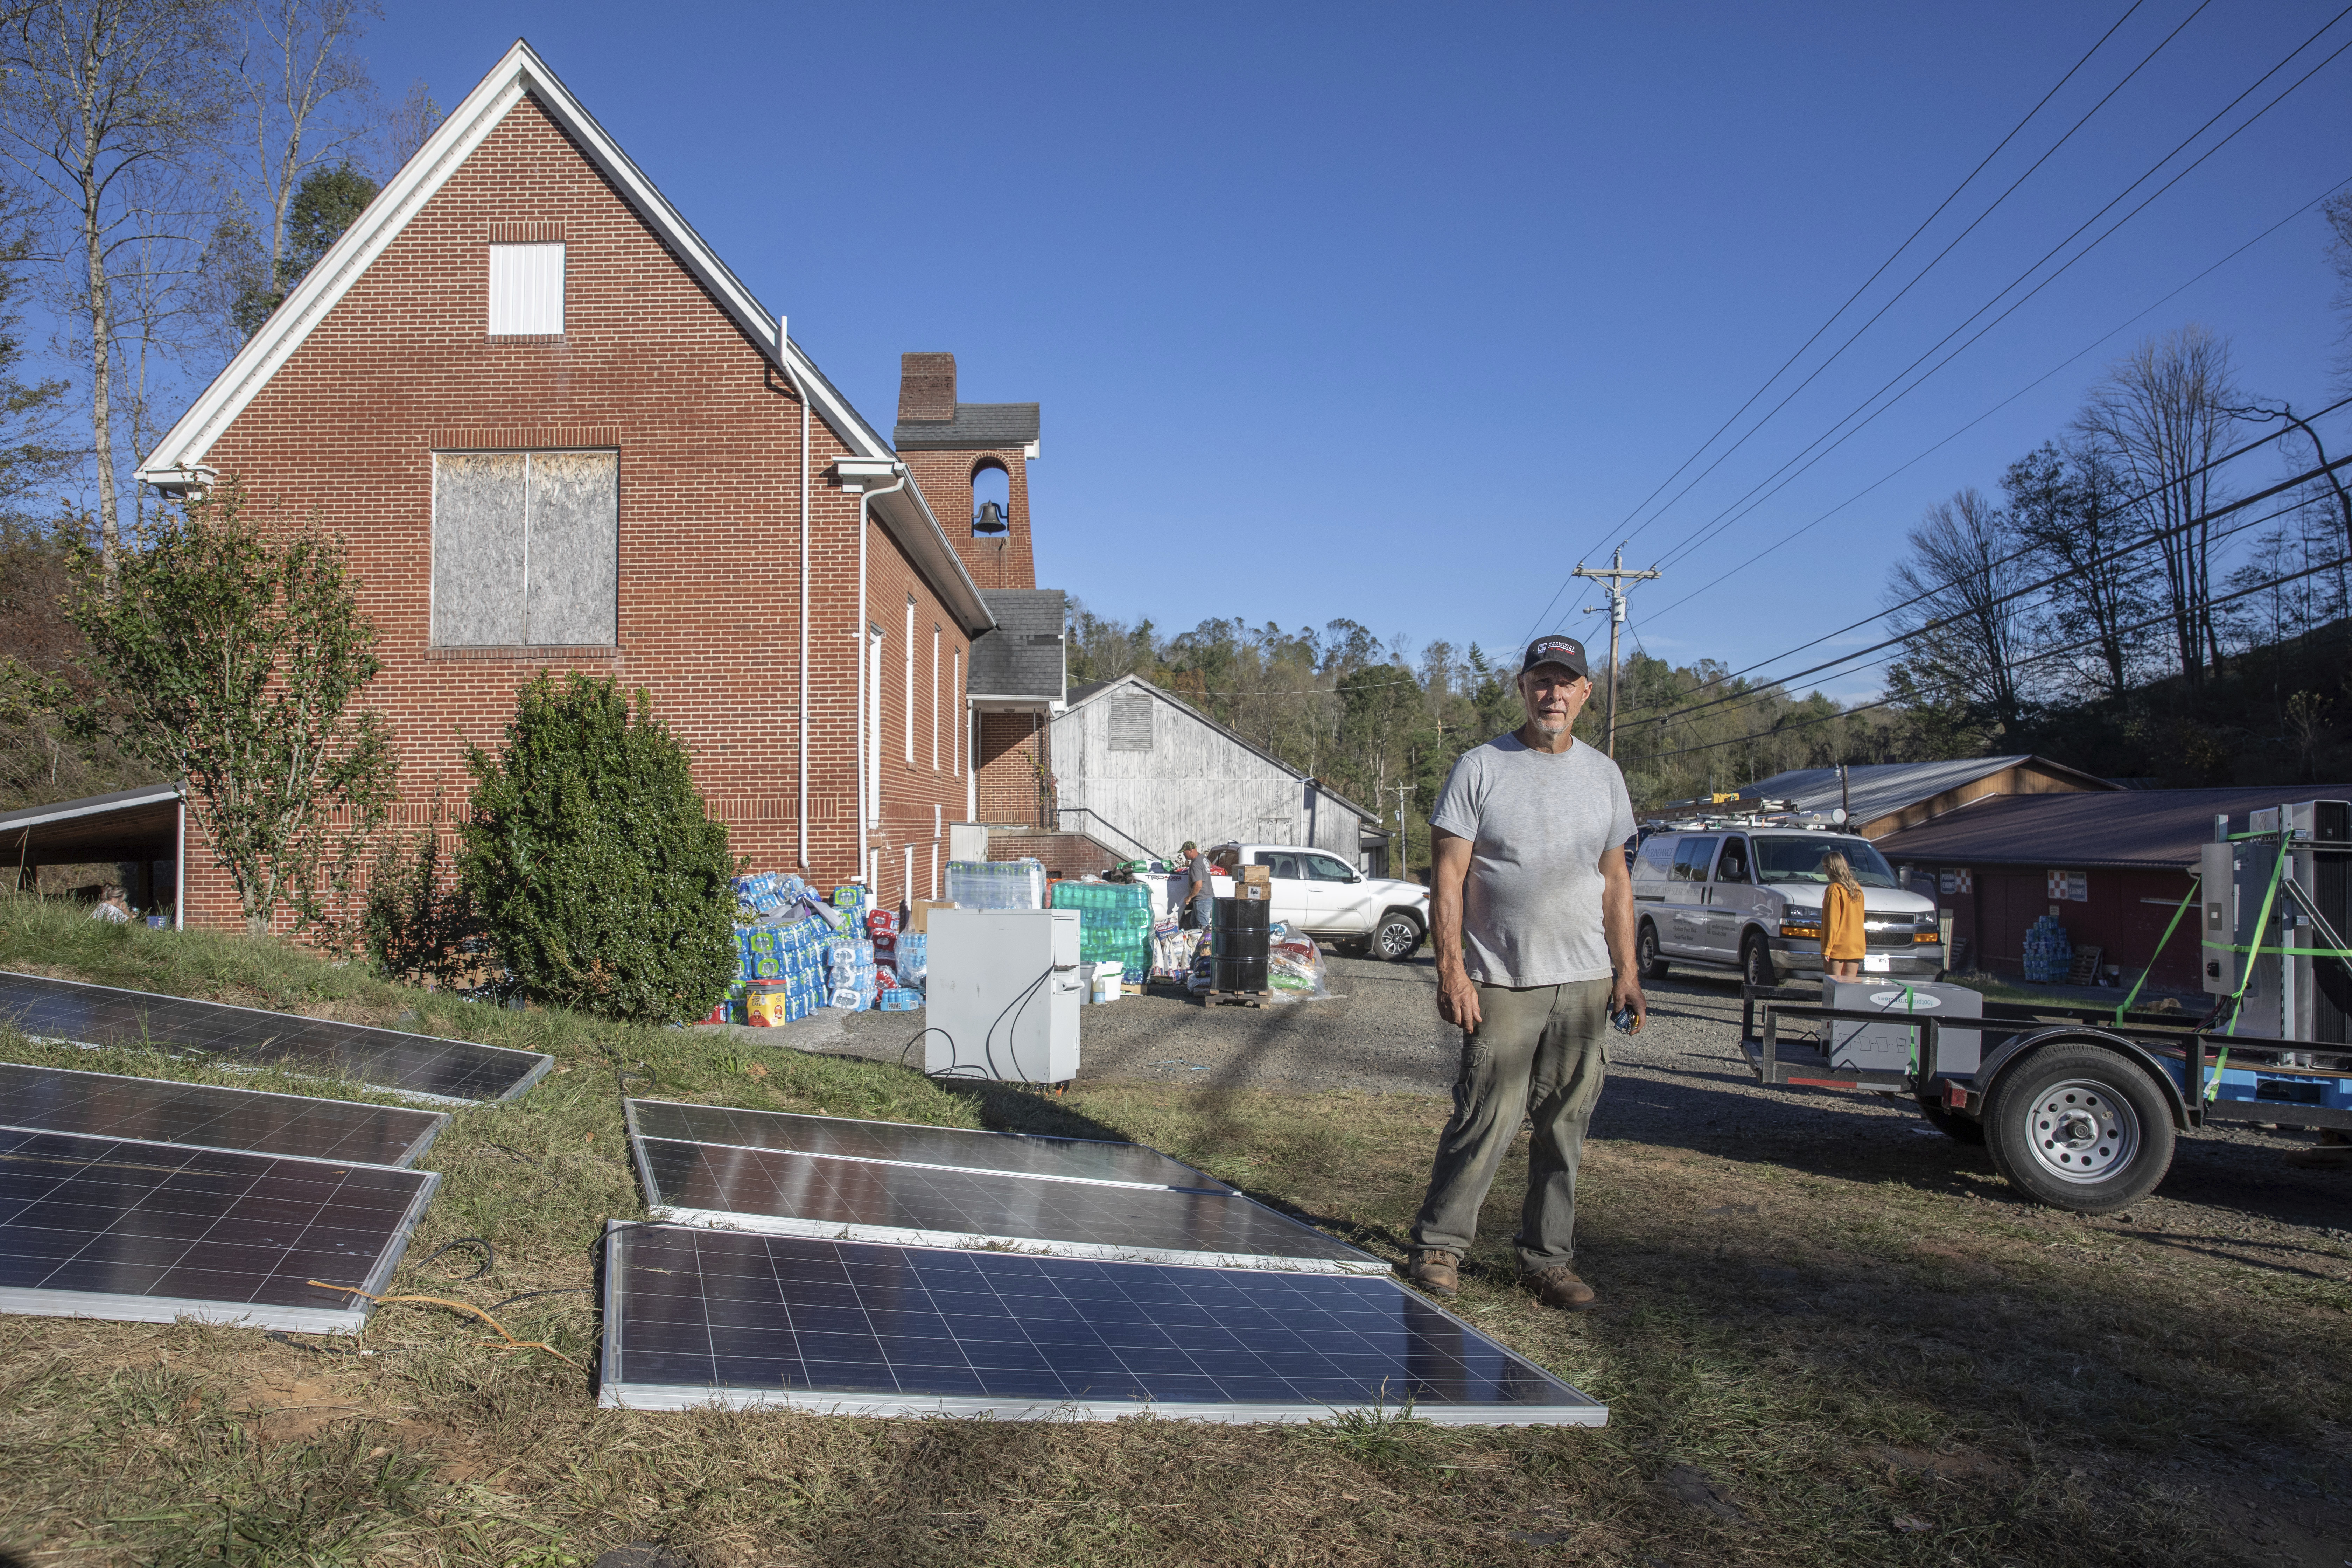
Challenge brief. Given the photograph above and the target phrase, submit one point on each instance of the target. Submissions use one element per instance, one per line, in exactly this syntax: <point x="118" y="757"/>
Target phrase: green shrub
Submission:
<point x="419" y="923"/>
<point x="599" y="881"/>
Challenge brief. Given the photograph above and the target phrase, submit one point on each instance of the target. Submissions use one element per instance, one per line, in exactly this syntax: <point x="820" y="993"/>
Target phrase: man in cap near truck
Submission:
<point x="1200" y="899"/>
<point x="1531" y="910"/>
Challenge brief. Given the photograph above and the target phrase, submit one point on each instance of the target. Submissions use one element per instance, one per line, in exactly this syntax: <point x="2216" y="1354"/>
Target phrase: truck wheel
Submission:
<point x="1951" y="1123"/>
<point x="1756" y="962"/>
<point x="2079" y="1127"/>
<point x="1645" y="953"/>
<point x="1398" y="937"/>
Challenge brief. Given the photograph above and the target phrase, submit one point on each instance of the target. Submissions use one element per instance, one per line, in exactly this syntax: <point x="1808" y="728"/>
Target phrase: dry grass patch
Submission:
<point x="1801" y="1369"/>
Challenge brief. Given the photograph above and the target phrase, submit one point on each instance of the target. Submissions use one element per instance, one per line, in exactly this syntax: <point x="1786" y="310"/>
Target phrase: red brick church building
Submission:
<point x="559" y="434"/>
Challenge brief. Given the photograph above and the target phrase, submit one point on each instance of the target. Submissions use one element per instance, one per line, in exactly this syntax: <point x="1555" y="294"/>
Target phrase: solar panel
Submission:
<point x="946" y="1148"/>
<point x="148" y="1233"/>
<point x="795" y="1194"/>
<point x="696" y="1316"/>
<point x="451" y="1072"/>
<point x="208" y="1116"/>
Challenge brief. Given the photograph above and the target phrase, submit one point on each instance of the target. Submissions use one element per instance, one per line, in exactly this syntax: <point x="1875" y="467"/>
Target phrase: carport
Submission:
<point x="144" y="830"/>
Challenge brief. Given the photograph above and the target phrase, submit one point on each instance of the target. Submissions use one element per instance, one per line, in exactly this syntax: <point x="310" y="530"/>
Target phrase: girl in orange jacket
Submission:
<point x="1842" y="938"/>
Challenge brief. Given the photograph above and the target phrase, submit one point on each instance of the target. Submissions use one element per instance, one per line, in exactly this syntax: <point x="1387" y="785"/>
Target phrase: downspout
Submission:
<point x="179" y="870"/>
<point x="784" y="363"/>
<point x="867" y="787"/>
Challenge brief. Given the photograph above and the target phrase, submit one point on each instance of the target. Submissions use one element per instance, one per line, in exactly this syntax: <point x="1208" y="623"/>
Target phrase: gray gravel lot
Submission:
<point x="1681" y="1082"/>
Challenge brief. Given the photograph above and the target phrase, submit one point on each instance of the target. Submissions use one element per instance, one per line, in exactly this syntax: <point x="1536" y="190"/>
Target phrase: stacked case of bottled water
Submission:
<point x="996" y="884"/>
<point x="2049" y="950"/>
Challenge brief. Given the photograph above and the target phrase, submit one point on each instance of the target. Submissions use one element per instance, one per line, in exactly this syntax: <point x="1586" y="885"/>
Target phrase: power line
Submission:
<point x="1768" y="692"/>
<point x="2030" y="658"/>
<point x="1919" y="276"/>
<point x="1830" y="320"/>
<point x="1791" y="537"/>
<point x="2035" y="587"/>
<point x="2026" y="550"/>
<point x="1747" y="502"/>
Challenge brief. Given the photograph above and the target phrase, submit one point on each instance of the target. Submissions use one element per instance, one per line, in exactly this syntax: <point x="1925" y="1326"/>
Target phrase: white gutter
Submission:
<point x="784" y="362"/>
<point x="854" y="473"/>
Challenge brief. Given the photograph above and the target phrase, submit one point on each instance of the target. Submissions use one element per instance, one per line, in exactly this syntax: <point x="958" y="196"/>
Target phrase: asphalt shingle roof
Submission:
<point x="977" y="426"/>
<point x="1023" y="656"/>
<point x="2154" y="829"/>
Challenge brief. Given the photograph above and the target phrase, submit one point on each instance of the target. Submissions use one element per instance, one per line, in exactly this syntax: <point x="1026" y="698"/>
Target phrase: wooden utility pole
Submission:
<point x="1616" y="576"/>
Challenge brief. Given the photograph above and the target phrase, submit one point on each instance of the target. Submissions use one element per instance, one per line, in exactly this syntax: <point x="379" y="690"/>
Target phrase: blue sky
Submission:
<point x="1392" y="313"/>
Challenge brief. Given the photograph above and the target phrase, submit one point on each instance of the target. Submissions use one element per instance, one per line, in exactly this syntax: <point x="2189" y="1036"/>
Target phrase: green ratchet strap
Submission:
<point x="2125" y="1006"/>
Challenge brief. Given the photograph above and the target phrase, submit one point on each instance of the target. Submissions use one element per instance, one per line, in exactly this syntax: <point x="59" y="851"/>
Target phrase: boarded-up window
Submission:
<point x="526" y="290"/>
<point x="1131" y="722"/>
<point x="526" y="549"/>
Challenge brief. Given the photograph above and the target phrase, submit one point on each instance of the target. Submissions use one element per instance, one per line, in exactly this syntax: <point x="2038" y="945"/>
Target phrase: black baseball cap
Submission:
<point x="1556" y="649"/>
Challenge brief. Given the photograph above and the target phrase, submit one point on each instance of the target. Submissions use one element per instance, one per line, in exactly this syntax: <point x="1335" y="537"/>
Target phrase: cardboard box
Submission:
<point x="918" y="913"/>
<point x="1258" y="891"/>
<point x="1258" y="876"/>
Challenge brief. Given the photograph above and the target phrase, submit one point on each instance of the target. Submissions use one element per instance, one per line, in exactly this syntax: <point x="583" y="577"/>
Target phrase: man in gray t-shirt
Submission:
<point x="1531" y="915"/>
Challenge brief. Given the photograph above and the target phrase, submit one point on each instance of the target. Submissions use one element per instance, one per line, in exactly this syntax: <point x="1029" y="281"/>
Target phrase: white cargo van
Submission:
<point x="1749" y="899"/>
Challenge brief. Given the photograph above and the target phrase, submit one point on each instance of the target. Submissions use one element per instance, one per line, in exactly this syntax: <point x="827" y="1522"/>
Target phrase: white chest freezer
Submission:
<point x="1001" y="995"/>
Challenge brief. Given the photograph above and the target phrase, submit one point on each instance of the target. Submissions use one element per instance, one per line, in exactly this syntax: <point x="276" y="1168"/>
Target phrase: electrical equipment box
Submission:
<point x="1001" y="995"/>
<point x="2297" y="995"/>
<point x="1888" y="1047"/>
<point x="2217" y="897"/>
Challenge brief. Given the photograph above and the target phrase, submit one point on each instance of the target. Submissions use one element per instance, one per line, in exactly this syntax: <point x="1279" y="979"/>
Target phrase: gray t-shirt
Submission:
<point x="1536" y="822"/>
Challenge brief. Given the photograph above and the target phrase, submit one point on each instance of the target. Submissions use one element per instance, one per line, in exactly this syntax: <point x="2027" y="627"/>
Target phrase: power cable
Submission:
<point x="1794" y="535"/>
<point x="1892" y="256"/>
<point x="1921" y="630"/>
<point x="2111" y="556"/>
<point x="2030" y="658"/>
<point x="1747" y="502"/>
<point x="1919" y="277"/>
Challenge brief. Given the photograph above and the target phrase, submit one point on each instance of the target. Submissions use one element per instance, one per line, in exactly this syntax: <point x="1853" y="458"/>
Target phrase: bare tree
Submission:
<point x="2160" y="417"/>
<point x="296" y="70"/>
<point x="1964" y="629"/>
<point x="2068" y="505"/>
<point x="110" y="101"/>
<point x="406" y="128"/>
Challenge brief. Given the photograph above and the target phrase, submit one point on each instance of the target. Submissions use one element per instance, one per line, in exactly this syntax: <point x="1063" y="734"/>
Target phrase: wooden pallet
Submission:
<point x="2085" y="967"/>
<point x="1246" y="998"/>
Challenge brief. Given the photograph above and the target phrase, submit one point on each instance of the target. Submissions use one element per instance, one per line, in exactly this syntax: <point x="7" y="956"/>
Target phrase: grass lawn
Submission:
<point x="1800" y="1370"/>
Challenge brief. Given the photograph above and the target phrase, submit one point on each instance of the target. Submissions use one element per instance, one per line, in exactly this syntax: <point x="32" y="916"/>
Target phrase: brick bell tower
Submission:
<point x="972" y="460"/>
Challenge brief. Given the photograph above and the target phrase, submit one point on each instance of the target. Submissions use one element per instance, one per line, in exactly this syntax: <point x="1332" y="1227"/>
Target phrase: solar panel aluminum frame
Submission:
<point x="613" y="1392"/>
<point x="415" y="1151"/>
<point x="1208" y="1183"/>
<point x="899" y="1235"/>
<point x="124" y="1308"/>
<point x="540" y="1069"/>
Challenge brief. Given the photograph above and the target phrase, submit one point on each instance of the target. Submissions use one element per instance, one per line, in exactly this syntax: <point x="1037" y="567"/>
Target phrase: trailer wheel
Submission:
<point x="1951" y="1123"/>
<point x="1645" y="953"/>
<point x="2079" y="1127"/>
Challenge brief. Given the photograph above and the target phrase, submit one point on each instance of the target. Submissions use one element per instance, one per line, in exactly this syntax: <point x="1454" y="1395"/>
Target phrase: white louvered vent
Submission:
<point x="526" y="290"/>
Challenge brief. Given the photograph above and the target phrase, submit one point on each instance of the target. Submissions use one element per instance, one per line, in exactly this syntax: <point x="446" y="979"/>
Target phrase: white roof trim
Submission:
<point x="184" y="448"/>
<point x="98" y="806"/>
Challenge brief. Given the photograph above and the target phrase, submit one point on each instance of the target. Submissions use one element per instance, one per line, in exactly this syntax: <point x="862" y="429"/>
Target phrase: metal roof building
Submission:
<point x="1888" y="796"/>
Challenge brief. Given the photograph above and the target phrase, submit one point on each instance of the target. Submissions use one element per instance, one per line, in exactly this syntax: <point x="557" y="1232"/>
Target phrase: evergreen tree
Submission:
<point x="600" y="880"/>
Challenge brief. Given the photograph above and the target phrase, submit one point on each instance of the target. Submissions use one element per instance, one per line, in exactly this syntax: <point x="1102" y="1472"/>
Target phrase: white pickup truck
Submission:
<point x="1322" y="894"/>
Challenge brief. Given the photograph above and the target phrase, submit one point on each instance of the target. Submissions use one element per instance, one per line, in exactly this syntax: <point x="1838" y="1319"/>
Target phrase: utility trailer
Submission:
<point x="2079" y="1106"/>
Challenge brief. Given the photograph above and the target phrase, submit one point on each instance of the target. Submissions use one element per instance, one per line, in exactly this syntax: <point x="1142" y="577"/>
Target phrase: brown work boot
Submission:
<point x="1439" y="1273"/>
<point x="1558" y="1285"/>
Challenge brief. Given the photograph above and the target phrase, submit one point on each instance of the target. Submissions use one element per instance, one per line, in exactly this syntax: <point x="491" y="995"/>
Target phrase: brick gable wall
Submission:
<point x="709" y="524"/>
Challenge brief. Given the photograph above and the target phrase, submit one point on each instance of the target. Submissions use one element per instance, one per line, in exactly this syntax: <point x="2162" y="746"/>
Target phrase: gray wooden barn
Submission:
<point x="1139" y="772"/>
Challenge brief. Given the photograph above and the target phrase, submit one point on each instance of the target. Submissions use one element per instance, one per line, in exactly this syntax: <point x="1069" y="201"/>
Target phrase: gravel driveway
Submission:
<point x="1681" y="1082"/>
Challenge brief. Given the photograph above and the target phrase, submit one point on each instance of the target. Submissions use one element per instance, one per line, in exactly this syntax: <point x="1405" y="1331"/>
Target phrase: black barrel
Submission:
<point x="1241" y="974"/>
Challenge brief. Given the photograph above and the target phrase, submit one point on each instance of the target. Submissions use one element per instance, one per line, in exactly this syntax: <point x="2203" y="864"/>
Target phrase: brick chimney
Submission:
<point x="927" y="388"/>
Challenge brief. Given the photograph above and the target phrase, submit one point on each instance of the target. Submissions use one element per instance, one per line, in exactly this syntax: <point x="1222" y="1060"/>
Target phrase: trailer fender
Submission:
<point x="2014" y="1049"/>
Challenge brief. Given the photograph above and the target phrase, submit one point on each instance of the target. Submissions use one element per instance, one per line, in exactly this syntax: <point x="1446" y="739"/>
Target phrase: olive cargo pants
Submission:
<point x="1540" y="1054"/>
